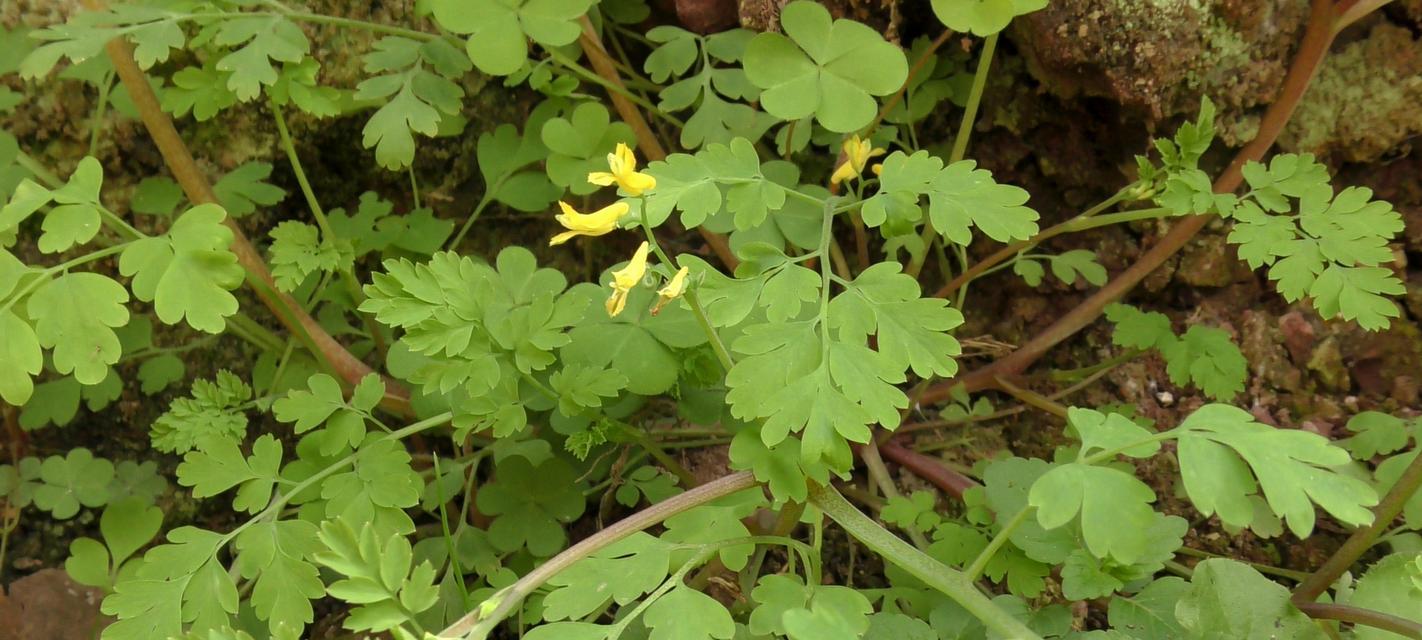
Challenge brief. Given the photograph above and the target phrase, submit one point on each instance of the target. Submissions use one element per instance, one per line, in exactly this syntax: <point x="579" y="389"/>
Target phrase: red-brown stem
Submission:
<point x="647" y="141"/>
<point x="1306" y="64"/>
<point x="1360" y="616"/>
<point x="930" y="469"/>
<point x="199" y="191"/>
<point x="1364" y="537"/>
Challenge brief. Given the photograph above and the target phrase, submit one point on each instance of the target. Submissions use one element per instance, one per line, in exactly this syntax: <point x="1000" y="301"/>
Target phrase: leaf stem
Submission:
<point x="96" y="124"/>
<point x="722" y="354"/>
<point x="1003" y="535"/>
<point x="480" y="621"/>
<point x="935" y="574"/>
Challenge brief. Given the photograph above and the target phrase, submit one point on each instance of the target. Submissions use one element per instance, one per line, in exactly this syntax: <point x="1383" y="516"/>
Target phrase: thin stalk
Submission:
<point x="621" y="90"/>
<point x="473" y="216"/>
<point x="1296" y="576"/>
<point x="44" y="276"/>
<point x="1032" y="398"/>
<point x="109" y="218"/>
<point x="348" y="279"/>
<point x="985" y="556"/>
<point x="414" y="187"/>
<point x="255" y="333"/>
<point x="96" y="125"/>
<point x="722" y="353"/>
<point x="449" y="539"/>
<point x="935" y="574"/>
<point x="1088" y="219"/>
<point x="1363" y="538"/>
<point x="480" y="622"/>
<point x="879" y="473"/>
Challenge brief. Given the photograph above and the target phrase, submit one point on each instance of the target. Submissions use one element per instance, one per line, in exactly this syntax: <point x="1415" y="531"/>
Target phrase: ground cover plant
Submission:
<point x="755" y="247"/>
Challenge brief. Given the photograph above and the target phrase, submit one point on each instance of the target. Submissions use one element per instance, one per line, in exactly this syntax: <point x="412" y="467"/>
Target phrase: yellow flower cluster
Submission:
<point x="622" y="171"/>
<point x="857" y="153"/>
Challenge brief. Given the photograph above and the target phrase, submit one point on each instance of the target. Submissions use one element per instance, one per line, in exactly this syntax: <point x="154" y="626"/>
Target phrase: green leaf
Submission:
<point x="828" y="68"/>
<point x="1230" y="599"/>
<point x="264" y="40"/>
<point x="982" y="17"/>
<point x="499" y="30"/>
<point x="1137" y="329"/>
<point x="55" y="402"/>
<point x="189" y="272"/>
<point x="670" y="614"/>
<point x="127" y="525"/>
<point x="1389" y="586"/>
<point x="779" y="467"/>
<point x="912" y="331"/>
<point x="74" y="480"/>
<point x="962" y="194"/>
<point x="20" y="350"/>
<point x="1100" y="432"/>
<point x="1066" y="266"/>
<point x="160" y="372"/>
<point x="502" y="155"/>
<point x="421" y="102"/>
<point x="621" y="573"/>
<point x="274" y="555"/>
<point x="692" y="184"/>
<point x="1220" y="445"/>
<point x="220" y="465"/>
<point x="1114" y="507"/>
<point x="834" y="613"/>
<point x="297" y="251"/>
<point x="1207" y="357"/>
<point x="914" y="513"/>
<point x="202" y="91"/>
<point x="580" y="143"/>
<point x="88" y="563"/>
<point x="714" y="522"/>
<point x="213" y="410"/>
<point x="529" y="504"/>
<point x="241" y="190"/>
<point x="639" y="345"/>
<point x="156" y="196"/>
<point x="582" y="387"/>
<point x="1150" y="613"/>
<point x="378" y="576"/>
<point x="75" y="315"/>
<point x="176" y="583"/>
<point x="1377" y="433"/>
<point x="1333" y="250"/>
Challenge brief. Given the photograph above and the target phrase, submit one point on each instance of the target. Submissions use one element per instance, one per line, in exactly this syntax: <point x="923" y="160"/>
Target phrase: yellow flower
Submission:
<point x="673" y="290"/>
<point x="622" y="171"/>
<point x="627" y="277"/>
<point x="857" y="153"/>
<point x="600" y="222"/>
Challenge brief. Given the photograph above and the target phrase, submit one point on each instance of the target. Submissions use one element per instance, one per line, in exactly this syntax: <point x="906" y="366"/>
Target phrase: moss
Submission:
<point x="1366" y="100"/>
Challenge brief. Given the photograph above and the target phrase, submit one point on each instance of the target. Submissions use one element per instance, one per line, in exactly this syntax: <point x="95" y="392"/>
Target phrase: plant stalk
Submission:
<point x="949" y="581"/>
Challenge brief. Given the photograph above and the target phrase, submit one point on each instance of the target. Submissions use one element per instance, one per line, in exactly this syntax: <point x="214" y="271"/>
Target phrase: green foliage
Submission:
<point x="529" y="503"/>
<point x="1223" y="451"/>
<point x="187" y="273"/>
<point x="982" y="17"/>
<point x="1391" y="585"/>
<point x="1231" y="598"/>
<point x="528" y="400"/>
<point x="1203" y="356"/>
<point x="214" y="410"/>
<point x="831" y="69"/>
<point x="499" y="31"/>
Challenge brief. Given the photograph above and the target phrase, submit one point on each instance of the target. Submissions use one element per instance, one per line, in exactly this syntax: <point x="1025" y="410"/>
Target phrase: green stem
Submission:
<point x="1296" y="576"/>
<point x="592" y="76"/>
<point x="111" y="219"/>
<point x="1032" y="398"/>
<point x="985" y="556"/>
<point x="480" y="622"/>
<point x="96" y="126"/>
<point x="478" y="209"/>
<point x="28" y="163"/>
<point x="965" y="130"/>
<point x="248" y="329"/>
<point x="935" y="574"/>
<point x="44" y="276"/>
<point x="879" y="473"/>
<point x="722" y="353"/>
<point x="449" y="539"/>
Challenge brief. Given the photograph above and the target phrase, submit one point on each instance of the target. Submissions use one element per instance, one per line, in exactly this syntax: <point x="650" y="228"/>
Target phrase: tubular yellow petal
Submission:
<point x="625" y="158"/>
<point x="601" y="178"/>
<point x="672" y="290"/>
<point x="616" y="302"/>
<point x="631" y="274"/>
<point x="844" y="173"/>
<point x="600" y="222"/>
<point x="636" y="183"/>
